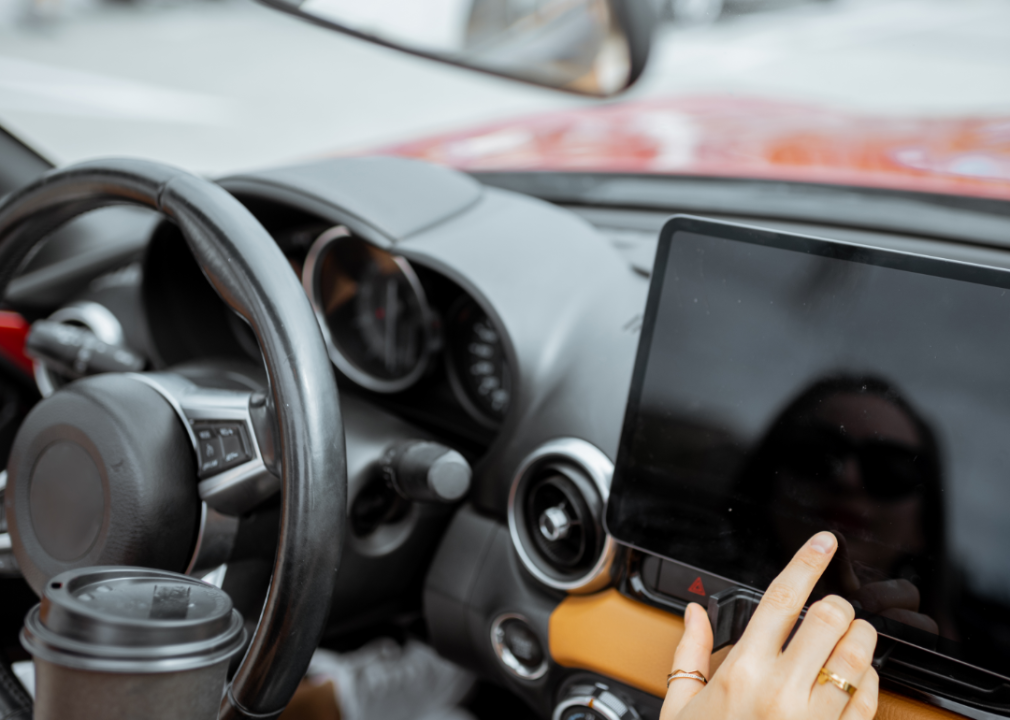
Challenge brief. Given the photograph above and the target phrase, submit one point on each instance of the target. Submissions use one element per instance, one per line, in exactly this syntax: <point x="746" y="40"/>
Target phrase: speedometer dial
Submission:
<point x="372" y="311"/>
<point x="478" y="366"/>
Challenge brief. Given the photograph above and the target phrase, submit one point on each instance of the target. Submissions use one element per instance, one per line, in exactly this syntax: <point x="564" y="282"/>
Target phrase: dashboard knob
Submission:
<point x="518" y="647"/>
<point x="593" y="702"/>
<point x="427" y="472"/>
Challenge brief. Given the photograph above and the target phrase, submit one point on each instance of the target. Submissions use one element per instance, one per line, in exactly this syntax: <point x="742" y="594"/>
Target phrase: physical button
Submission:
<point x="220" y="446"/>
<point x="518" y="647"/>
<point x="594" y="702"/>
<point x="523" y="644"/>
<point x="232" y="448"/>
<point x="686" y="583"/>
<point x="210" y="452"/>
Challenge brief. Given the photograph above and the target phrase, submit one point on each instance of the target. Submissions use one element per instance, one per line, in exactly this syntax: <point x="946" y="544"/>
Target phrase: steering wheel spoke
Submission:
<point x="233" y="449"/>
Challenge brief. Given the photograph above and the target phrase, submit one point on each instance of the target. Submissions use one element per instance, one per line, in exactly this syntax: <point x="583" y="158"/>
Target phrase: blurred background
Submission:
<point x="222" y="85"/>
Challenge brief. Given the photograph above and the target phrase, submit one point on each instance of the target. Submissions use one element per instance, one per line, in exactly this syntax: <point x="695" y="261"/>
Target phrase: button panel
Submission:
<point x="220" y="446"/>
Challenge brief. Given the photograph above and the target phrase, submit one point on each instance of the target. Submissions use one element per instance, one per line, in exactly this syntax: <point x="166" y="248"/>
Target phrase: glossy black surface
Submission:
<point x="786" y="385"/>
<point x="375" y="311"/>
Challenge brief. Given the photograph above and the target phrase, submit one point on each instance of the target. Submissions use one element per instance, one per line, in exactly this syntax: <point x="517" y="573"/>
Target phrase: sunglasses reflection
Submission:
<point x="853" y="456"/>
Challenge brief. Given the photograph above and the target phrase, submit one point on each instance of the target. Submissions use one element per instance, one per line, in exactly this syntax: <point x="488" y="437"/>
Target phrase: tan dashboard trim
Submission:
<point x="615" y="636"/>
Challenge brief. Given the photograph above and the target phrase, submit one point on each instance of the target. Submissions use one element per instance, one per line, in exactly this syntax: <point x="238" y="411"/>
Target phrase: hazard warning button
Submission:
<point x="686" y="583"/>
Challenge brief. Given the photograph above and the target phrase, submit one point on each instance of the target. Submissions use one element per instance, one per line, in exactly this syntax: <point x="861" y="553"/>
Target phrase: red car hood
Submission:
<point x="742" y="138"/>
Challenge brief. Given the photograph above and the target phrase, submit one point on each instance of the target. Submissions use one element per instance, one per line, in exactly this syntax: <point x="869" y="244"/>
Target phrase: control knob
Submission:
<point x="426" y="472"/>
<point x="593" y="702"/>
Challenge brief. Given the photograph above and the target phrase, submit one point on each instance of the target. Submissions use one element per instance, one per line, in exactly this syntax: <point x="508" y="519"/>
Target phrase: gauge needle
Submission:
<point x="391" y="313"/>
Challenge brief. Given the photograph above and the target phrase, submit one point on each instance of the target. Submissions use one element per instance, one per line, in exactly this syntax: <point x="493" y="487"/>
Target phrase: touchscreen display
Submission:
<point x="786" y="385"/>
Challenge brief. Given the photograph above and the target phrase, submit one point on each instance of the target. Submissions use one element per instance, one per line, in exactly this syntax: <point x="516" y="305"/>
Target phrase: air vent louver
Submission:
<point x="556" y="515"/>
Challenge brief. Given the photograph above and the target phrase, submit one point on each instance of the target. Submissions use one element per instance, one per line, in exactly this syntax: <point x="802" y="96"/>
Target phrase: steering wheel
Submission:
<point x="103" y="471"/>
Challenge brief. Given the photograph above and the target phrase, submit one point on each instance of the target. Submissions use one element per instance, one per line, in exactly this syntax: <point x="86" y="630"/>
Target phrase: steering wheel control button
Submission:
<point x="67" y="500"/>
<point x="232" y="448"/>
<point x="220" y="446"/>
<point x="593" y="702"/>
<point x="518" y="647"/>
<point x="210" y="453"/>
<point x="134" y="642"/>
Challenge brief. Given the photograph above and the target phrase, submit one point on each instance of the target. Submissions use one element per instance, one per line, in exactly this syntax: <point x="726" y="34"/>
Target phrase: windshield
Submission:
<point x="846" y="91"/>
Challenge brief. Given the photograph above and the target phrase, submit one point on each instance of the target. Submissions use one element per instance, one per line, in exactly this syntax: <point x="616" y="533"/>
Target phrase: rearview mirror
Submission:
<point x="590" y="47"/>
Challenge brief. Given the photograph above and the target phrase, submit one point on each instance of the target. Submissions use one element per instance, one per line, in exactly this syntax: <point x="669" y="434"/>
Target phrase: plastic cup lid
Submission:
<point x="125" y="619"/>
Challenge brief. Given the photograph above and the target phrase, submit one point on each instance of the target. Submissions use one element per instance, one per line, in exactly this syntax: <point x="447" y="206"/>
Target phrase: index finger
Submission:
<point x="780" y="607"/>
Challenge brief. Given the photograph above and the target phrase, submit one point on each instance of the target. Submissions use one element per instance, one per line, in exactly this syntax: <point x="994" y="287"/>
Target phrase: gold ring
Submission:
<point x="826" y="676"/>
<point x="687" y="674"/>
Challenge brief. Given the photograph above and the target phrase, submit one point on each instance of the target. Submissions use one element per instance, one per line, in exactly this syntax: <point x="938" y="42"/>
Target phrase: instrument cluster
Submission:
<point x="388" y="325"/>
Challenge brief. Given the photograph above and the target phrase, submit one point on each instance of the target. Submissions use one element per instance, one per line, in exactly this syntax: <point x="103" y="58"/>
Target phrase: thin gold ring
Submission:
<point x="686" y="674"/>
<point x="826" y="676"/>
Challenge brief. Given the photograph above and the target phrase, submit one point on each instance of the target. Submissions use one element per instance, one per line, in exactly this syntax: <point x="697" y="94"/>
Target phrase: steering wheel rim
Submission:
<point x="249" y="272"/>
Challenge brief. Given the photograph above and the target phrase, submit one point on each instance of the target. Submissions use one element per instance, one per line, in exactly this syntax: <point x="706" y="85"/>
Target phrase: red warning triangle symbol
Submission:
<point x="697" y="588"/>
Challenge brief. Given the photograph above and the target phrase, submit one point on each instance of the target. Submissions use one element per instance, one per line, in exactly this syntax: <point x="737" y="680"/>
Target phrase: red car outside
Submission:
<point x="742" y="138"/>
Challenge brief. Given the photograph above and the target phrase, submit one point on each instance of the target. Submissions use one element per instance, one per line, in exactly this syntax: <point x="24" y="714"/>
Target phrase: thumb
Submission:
<point x="693" y="655"/>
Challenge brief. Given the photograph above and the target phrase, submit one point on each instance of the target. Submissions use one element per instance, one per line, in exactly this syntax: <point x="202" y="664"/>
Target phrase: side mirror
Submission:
<point x="590" y="47"/>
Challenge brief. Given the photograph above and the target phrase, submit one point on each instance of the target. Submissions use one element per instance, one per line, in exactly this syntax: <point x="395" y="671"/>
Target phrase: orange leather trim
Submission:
<point x="313" y="702"/>
<point x="898" y="707"/>
<point x="620" y="638"/>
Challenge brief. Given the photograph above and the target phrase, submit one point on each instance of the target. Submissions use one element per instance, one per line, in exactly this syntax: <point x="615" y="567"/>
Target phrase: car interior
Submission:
<point x="512" y="416"/>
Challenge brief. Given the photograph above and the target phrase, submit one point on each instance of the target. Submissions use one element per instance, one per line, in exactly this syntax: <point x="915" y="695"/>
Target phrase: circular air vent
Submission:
<point x="556" y="515"/>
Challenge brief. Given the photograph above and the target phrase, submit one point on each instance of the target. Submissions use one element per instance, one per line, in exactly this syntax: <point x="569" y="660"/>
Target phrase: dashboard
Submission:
<point x="403" y="335"/>
<point x="464" y="310"/>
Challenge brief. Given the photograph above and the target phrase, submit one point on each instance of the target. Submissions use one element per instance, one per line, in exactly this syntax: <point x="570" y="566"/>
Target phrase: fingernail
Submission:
<point x="688" y="612"/>
<point x="823" y="542"/>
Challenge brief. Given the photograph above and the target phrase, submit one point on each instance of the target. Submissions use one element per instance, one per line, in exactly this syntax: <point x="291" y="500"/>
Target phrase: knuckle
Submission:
<point x="854" y="655"/>
<point x="723" y="682"/>
<point x="780" y="597"/>
<point x="742" y="675"/>
<point x="833" y="612"/>
<point x="865" y="629"/>
<point x="864" y="705"/>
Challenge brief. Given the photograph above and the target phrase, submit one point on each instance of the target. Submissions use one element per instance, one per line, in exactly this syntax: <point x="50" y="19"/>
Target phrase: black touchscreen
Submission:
<point x="786" y="385"/>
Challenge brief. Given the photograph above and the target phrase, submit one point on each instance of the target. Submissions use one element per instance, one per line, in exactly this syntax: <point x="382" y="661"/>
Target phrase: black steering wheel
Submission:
<point x="121" y="433"/>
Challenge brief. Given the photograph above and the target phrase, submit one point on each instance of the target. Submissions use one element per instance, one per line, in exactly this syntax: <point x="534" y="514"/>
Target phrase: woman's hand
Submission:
<point x="761" y="681"/>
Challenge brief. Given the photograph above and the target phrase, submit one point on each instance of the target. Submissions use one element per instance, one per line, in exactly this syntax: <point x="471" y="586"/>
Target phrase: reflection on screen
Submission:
<point x="789" y="392"/>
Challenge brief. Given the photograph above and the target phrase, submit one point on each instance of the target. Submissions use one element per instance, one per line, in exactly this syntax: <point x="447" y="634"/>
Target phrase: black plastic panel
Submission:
<point x="475" y="578"/>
